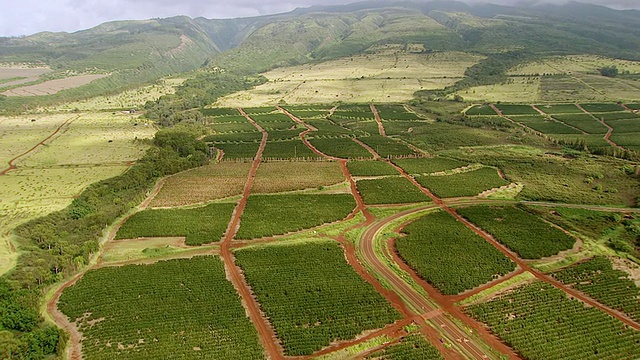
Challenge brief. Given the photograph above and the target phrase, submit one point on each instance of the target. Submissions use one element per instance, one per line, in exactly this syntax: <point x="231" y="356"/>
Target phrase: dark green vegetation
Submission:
<point x="526" y="234"/>
<point x="387" y="147"/>
<point x="517" y="109"/>
<point x="481" y="110"/>
<point x="370" y="168"/>
<point x="468" y="183"/>
<point x="199" y="225"/>
<point x="584" y="122"/>
<point x="545" y="125"/>
<point x="560" y="109"/>
<point x="597" y="278"/>
<point x="311" y="295"/>
<point x="449" y="255"/>
<point x="268" y="215"/>
<point x="412" y="347"/>
<point x="601" y="107"/>
<point x="179" y="308"/>
<point x="292" y="149"/>
<point x="241" y="150"/>
<point x="342" y="147"/>
<point x="540" y="322"/>
<point x="428" y="165"/>
<point x="390" y="190"/>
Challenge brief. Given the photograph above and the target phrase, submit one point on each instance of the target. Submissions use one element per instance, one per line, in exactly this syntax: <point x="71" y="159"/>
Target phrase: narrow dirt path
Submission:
<point x="378" y="120"/>
<point x="265" y="331"/>
<point x="375" y="155"/>
<point x="607" y="136"/>
<point x="12" y="165"/>
<point x="303" y="135"/>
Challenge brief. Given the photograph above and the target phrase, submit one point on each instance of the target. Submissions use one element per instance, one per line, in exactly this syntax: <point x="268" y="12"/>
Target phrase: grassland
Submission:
<point x="178" y="308"/>
<point x="469" y="183"/>
<point x="199" y="185"/>
<point x="390" y="190"/>
<point x="198" y="225"/>
<point x="523" y="232"/>
<point x="379" y="77"/>
<point x="281" y="176"/>
<point x="541" y="322"/>
<point x="449" y="255"/>
<point x="311" y="296"/>
<point x="269" y="215"/>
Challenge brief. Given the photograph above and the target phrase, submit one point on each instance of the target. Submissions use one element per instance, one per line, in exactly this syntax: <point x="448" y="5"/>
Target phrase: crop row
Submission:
<point x="584" y="122"/>
<point x="344" y="148"/>
<point x="268" y="215"/>
<point x="469" y="183"/>
<point x="546" y="126"/>
<point x="481" y="110"/>
<point x="540" y="322"/>
<point x="390" y="190"/>
<point x="449" y="255"/>
<point x="412" y="347"/>
<point x="395" y="112"/>
<point x="199" y="225"/>
<point x="560" y="109"/>
<point x="597" y="278"/>
<point x="370" y="168"/>
<point x="386" y="147"/>
<point x="509" y="109"/>
<point x="428" y="165"/>
<point x="175" y="309"/>
<point x="525" y="233"/>
<point x="311" y="296"/>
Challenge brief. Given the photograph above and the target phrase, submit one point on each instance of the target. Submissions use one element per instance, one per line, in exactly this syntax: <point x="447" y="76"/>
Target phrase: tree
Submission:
<point x="609" y="71"/>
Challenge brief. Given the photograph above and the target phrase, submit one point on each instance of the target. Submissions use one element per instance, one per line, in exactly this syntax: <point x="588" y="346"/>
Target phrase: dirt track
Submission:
<point x="12" y="165"/>
<point x="376" y="115"/>
<point x="607" y="136"/>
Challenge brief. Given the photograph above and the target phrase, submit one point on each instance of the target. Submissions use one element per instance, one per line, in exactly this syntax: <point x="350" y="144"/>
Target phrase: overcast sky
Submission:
<point x="25" y="17"/>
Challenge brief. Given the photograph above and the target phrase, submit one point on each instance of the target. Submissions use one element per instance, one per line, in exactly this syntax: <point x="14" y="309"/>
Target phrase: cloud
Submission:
<point x="20" y="17"/>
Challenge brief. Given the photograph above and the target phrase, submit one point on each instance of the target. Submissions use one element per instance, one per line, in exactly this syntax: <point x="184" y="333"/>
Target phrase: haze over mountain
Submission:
<point x="25" y="18"/>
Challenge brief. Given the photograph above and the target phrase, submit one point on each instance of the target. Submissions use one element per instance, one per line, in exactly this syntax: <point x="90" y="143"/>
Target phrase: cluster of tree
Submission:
<point x="609" y="71"/>
<point x="57" y="245"/>
<point x="204" y="89"/>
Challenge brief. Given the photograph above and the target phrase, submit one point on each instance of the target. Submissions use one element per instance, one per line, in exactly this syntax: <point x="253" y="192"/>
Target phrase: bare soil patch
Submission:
<point x="53" y="86"/>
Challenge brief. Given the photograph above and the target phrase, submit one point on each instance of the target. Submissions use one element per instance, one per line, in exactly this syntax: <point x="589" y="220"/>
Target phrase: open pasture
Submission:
<point x="311" y="296"/>
<point x="625" y="125"/>
<point x="282" y="176"/>
<point x="53" y="86"/>
<point x="541" y="322"/>
<point x="270" y="215"/>
<point x="206" y="183"/>
<point x="450" y="256"/>
<point x="378" y="77"/>
<point x="199" y="226"/>
<point x="342" y="147"/>
<point x="469" y="183"/>
<point x="428" y="165"/>
<point x="587" y="64"/>
<point x="20" y="133"/>
<point x="480" y="110"/>
<point x="601" y="107"/>
<point x="524" y="233"/>
<point x="179" y="308"/>
<point x="390" y="190"/>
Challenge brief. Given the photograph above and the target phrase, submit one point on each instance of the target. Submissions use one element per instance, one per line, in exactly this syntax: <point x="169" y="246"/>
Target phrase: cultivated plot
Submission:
<point x="281" y="176"/>
<point x="468" y="183"/>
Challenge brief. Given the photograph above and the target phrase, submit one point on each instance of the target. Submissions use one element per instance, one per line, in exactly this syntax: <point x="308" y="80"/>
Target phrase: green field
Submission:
<point x="199" y="225"/>
<point x="481" y="110"/>
<point x="269" y="215"/>
<point x="541" y="322"/>
<point x="341" y="147"/>
<point x="469" y="183"/>
<point x="526" y="234"/>
<point x="395" y="112"/>
<point x="428" y="165"/>
<point x="180" y="308"/>
<point x="627" y="140"/>
<point x="601" y="107"/>
<point x="387" y="147"/>
<point x="311" y="296"/>
<point x="544" y="125"/>
<point x="241" y="150"/>
<point x="370" y="168"/>
<point x="560" y="109"/>
<point x="584" y="122"/>
<point x="390" y="190"/>
<point x="449" y="255"/>
<point x="291" y="149"/>
<point x="517" y="109"/>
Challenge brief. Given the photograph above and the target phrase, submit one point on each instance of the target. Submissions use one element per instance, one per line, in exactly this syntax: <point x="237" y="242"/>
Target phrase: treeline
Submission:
<point x="204" y="89"/>
<point x="59" y="244"/>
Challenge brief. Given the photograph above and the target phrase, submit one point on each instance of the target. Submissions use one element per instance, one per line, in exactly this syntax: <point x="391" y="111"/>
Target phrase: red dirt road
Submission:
<point x="265" y="332"/>
<point x="378" y="120"/>
<point x="12" y="165"/>
<point x="303" y="135"/>
<point x="607" y="136"/>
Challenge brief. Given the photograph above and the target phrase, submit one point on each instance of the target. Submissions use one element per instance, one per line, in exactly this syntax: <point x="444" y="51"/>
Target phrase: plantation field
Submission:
<point x="53" y="86"/>
<point x="342" y="147"/>
<point x="469" y="183"/>
<point x="627" y="140"/>
<point x="508" y="109"/>
<point x="540" y="322"/>
<point x="269" y="215"/>
<point x="198" y="225"/>
<point x="428" y="165"/>
<point x="395" y="112"/>
<point x="387" y="147"/>
<point x="584" y="122"/>
<point x="413" y="346"/>
<point x="375" y="77"/>
<point x="206" y="183"/>
<point x="524" y="233"/>
<point x="281" y="176"/>
<point x="291" y="149"/>
<point x="601" y="107"/>
<point x="179" y="308"/>
<point x="390" y="190"/>
<point x="241" y="150"/>
<point x="544" y="125"/>
<point x="597" y="278"/>
<point x="328" y="128"/>
<point x="560" y="109"/>
<point x="625" y="125"/>
<point x="370" y="168"/>
<point x="449" y="255"/>
<point x="311" y="296"/>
